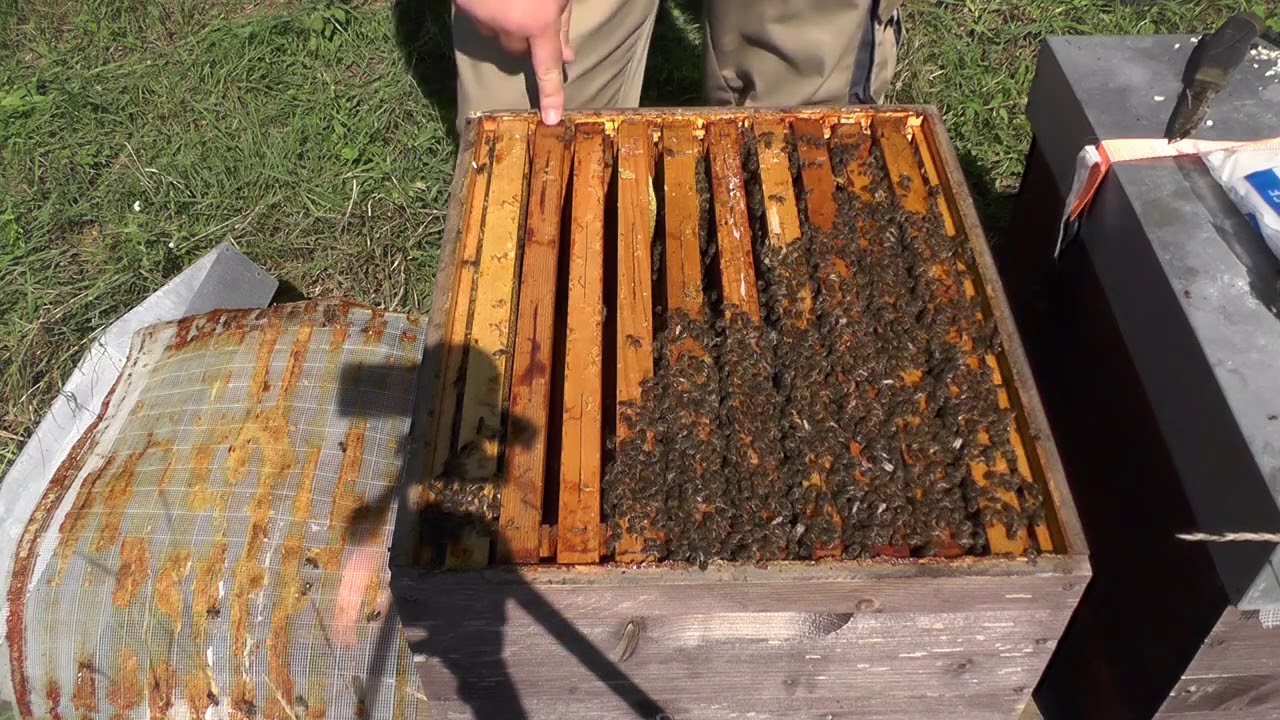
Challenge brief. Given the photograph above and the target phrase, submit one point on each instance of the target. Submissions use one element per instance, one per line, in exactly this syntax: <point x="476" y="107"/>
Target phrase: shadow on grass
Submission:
<point x="995" y="206"/>
<point x="423" y="34"/>
<point x="673" y="72"/>
<point x="287" y="292"/>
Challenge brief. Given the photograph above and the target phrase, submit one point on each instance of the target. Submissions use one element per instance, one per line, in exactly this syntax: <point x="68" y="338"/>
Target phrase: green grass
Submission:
<point x="135" y="135"/>
<point x="131" y="149"/>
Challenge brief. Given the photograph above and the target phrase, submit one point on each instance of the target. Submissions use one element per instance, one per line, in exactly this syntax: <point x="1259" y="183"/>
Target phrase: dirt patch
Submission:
<point x="205" y="592"/>
<point x="53" y="696"/>
<point x="199" y="496"/>
<point x="161" y="682"/>
<point x="199" y="692"/>
<point x="114" y="499"/>
<point x="292" y="591"/>
<point x="77" y="517"/>
<point x="168" y="590"/>
<point x="126" y="689"/>
<point x="84" y="698"/>
<point x="133" y="573"/>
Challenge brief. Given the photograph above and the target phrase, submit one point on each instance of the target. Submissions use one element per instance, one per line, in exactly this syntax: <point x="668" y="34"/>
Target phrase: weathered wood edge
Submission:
<point x="405" y="531"/>
<point x="701" y="115"/>
<point x="1023" y="382"/>
<point x="636" y="158"/>
<point x="681" y="241"/>
<point x="728" y="191"/>
<point x="781" y="572"/>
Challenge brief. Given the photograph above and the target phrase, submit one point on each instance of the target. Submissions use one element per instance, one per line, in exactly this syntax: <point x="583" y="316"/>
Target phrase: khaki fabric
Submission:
<point x="761" y="53"/>
<point x="886" y="41"/>
<point x="610" y="42"/>
<point x="775" y="53"/>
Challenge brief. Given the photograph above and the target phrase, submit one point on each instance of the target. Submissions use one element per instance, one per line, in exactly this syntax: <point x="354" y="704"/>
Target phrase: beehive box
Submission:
<point x="727" y="417"/>
<point x="1163" y="267"/>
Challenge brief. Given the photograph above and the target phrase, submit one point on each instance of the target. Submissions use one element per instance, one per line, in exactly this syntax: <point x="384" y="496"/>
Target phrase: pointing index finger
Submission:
<point x="548" y="68"/>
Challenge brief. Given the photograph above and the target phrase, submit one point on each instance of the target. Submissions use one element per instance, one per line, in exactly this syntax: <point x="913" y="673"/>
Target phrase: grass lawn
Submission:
<point x="135" y="135"/>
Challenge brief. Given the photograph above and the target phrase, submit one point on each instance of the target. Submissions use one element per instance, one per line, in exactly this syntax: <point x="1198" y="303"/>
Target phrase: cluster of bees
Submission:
<point x="674" y="432"/>
<point x="851" y="418"/>
<point x="455" y="503"/>
<point x="812" y="439"/>
<point x="896" y="364"/>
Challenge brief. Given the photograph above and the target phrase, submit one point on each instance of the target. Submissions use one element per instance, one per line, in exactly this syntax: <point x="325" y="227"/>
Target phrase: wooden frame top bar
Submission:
<point x="681" y="135"/>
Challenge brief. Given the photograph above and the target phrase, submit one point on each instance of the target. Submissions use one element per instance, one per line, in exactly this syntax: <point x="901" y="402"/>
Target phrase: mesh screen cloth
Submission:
<point x="190" y="557"/>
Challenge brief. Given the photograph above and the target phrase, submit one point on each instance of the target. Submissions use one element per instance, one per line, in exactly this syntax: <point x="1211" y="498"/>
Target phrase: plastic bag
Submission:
<point x="1251" y="178"/>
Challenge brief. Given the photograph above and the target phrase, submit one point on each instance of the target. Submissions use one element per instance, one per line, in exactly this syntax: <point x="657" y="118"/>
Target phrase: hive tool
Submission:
<point x="1211" y="63"/>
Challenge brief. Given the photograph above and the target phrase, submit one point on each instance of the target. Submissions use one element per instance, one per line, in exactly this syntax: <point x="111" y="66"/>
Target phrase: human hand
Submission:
<point x="538" y="27"/>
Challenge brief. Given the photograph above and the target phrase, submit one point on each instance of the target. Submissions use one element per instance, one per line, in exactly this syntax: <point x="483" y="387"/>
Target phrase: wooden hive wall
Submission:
<point x="580" y="246"/>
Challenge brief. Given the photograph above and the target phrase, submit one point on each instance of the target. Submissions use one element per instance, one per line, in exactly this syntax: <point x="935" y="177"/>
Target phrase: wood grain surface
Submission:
<point x="714" y="647"/>
<point x="526" y="448"/>
<point x="582" y="446"/>
<point x="637" y="223"/>
<point x="733" y="228"/>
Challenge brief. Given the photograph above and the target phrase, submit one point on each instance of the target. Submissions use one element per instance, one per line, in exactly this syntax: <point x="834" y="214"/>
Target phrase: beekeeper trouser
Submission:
<point x="761" y="53"/>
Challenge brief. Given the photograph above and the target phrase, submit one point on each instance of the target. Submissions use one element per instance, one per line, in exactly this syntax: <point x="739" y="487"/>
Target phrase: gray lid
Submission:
<point x="1188" y="280"/>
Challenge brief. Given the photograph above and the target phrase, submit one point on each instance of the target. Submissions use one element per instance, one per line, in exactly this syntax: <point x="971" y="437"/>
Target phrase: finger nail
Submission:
<point x="551" y="116"/>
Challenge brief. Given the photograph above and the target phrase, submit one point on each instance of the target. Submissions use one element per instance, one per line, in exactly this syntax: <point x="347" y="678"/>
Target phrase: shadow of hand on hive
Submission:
<point x="458" y="621"/>
<point x="464" y="631"/>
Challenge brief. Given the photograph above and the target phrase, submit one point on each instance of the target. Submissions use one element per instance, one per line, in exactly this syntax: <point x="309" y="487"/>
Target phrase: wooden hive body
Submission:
<point x="593" y="271"/>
